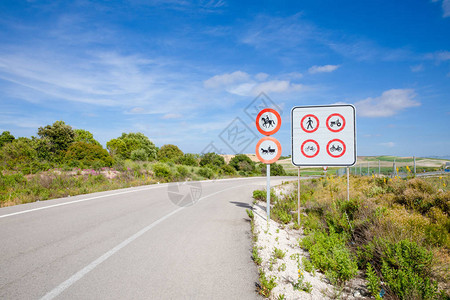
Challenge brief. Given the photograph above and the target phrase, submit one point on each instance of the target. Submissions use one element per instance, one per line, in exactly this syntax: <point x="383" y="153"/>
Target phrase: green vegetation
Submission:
<point x="396" y="231"/>
<point x="62" y="161"/>
<point x="266" y="284"/>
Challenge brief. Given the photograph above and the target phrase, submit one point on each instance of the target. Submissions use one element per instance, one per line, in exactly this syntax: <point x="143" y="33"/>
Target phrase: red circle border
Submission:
<point x="336" y="140"/>
<point x="268" y="138"/>
<point x="343" y="122"/>
<point x="310" y="156"/>
<point x="276" y="115"/>
<point x="310" y="131"/>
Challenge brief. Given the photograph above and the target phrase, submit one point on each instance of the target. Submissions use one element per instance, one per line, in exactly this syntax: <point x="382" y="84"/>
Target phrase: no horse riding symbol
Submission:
<point x="267" y="122"/>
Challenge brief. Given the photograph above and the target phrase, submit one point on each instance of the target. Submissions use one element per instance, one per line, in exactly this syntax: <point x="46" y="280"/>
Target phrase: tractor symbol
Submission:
<point x="337" y="123"/>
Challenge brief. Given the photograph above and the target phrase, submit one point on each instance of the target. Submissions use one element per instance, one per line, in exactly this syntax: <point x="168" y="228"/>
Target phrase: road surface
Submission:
<point x="132" y="244"/>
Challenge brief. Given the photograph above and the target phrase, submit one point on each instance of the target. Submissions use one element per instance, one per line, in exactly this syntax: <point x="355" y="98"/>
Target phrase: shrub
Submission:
<point x="182" y="171"/>
<point x="81" y="154"/>
<point x="205" y="172"/>
<point x="242" y="162"/>
<point x="139" y="155"/>
<point x="188" y="159"/>
<point x="227" y="170"/>
<point x="162" y="171"/>
<point x="267" y="285"/>
<point x="406" y="269"/>
<point x="329" y="253"/>
<point x="212" y="159"/>
<point x="169" y="153"/>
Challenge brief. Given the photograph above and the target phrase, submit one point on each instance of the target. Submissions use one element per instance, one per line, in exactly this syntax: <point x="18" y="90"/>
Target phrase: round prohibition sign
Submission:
<point x="270" y="147"/>
<point x="269" y="123"/>
<point x="336" y="150"/>
<point x="337" y="123"/>
<point x="309" y="124"/>
<point x="317" y="149"/>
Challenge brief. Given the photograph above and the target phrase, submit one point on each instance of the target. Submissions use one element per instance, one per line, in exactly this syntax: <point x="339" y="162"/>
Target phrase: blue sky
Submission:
<point x="184" y="72"/>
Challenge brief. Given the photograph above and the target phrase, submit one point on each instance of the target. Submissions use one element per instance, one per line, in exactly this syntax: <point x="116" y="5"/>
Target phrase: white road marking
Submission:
<point x="75" y="201"/>
<point x="108" y="195"/>
<point x="80" y="274"/>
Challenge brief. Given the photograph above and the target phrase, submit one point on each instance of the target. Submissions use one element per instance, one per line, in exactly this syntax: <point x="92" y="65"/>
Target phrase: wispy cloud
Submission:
<point x="417" y="68"/>
<point x="445" y="7"/>
<point x="323" y="69"/>
<point x="241" y="83"/>
<point x="388" y="144"/>
<point x="388" y="104"/>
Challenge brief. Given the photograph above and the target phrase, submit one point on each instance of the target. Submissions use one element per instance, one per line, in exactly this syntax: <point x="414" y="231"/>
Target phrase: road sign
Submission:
<point x="323" y="135"/>
<point x="268" y="121"/>
<point x="268" y="150"/>
<point x="325" y="168"/>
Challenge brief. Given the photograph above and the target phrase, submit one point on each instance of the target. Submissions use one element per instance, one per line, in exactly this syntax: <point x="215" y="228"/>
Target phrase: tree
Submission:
<point x="82" y="154"/>
<point x="212" y="159"/>
<point x="189" y="159"/>
<point x="129" y="142"/>
<point x="85" y="136"/>
<point x="117" y="147"/>
<point x="59" y="135"/>
<point x="19" y="155"/>
<point x="169" y="152"/>
<point x="275" y="169"/>
<point x="6" y="137"/>
<point x="242" y="162"/>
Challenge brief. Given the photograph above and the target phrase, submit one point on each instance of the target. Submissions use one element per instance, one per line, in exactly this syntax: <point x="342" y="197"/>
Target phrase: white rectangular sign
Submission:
<point x="323" y="135"/>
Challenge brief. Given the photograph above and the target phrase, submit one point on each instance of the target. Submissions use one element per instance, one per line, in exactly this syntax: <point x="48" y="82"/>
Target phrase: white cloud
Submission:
<point x="242" y="84"/>
<point x="417" y="68"/>
<point x="172" y="116"/>
<point x="226" y="79"/>
<point x="323" y="69"/>
<point x="388" y="104"/>
<point x="261" y="76"/>
<point x="445" y="7"/>
<point x="388" y="144"/>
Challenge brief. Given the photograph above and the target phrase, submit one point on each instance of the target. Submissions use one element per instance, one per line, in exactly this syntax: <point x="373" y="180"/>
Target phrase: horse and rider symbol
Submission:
<point x="267" y="122"/>
<point x="269" y="150"/>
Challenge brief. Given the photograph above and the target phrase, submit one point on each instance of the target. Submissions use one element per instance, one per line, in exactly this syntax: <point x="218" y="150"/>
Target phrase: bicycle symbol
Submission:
<point x="310" y="148"/>
<point x="338" y="148"/>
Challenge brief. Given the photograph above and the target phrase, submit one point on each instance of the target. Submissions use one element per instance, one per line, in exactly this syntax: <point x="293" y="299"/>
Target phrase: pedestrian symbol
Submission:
<point x="309" y="123"/>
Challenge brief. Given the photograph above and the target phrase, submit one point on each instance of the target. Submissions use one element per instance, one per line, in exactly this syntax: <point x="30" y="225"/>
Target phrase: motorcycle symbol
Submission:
<point x="338" y="148"/>
<point x="337" y="123"/>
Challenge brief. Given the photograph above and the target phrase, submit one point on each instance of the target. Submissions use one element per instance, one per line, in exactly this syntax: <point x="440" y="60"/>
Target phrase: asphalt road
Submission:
<point x="132" y="244"/>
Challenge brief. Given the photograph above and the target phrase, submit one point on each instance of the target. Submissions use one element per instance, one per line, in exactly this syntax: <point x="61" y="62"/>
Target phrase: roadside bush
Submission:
<point x="139" y="155"/>
<point x="182" y="172"/>
<point x="242" y="162"/>
<point x="205" y="172"/>
<point x="227" y="170"/>
<point x="406" y="269"/>
<point x="329" y="253"/>
<point x="212" y="159"/>
<point x="162" y="172"/>
<point x="84" y="155"/>
<point x="188" y="159"/>
<point x="169" y="153"/>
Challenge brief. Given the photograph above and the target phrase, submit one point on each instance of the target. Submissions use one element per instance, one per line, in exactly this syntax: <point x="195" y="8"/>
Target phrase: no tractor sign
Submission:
<point x="323" y="135"/>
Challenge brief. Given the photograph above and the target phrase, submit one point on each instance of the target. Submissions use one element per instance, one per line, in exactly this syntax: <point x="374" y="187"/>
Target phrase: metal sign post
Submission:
<point x="324" y="136"/>
<point x="268" y="149"/>
<point x="268" y="191"/>
<point x="298" y="198"/>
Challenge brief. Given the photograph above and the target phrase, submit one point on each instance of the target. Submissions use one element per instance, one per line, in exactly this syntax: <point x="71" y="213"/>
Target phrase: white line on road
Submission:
<point x="108" y="195"/>
<point x="80" y="274"/>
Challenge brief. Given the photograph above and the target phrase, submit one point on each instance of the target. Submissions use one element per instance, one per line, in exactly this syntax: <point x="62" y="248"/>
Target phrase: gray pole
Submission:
<point x="360" y="170"/>
<point x="348" y="184"/>
<point x="414" y="166"/>
<point x="298" y="198"/>
<point x="395" y="169"/>
<point x="368" y="171"/>
<point x="379" y="168"/>
<point x="268" y="192"/>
